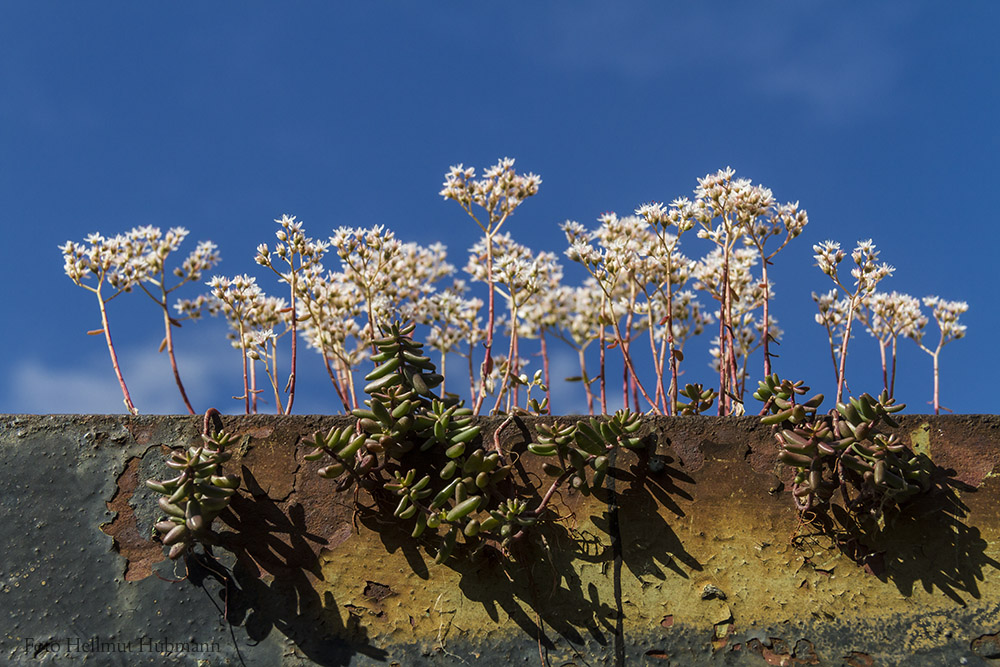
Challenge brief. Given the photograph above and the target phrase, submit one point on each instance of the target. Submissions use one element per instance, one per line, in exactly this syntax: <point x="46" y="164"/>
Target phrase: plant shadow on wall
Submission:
<point x="271" y="581"/>
<point x="563" y="573"/>
<point x="859" y="488"/>
<point x="494" y="507"/>
<point x="927" y="542"/>
<point x="269" y="578"/>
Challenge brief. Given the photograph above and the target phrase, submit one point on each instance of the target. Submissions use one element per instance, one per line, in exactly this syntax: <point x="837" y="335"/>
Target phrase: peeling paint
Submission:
<point x="712" y="564"/>
<point x="139" y="552"/>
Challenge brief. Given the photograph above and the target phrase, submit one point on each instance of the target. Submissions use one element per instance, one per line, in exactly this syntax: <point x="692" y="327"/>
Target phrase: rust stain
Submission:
<point x="721" y="634"/>
<point x="142" y="435"/>
<point x="376" y="591"/>
<point x="274" y="466"/>
<point x="776" y="652"/>
<point x="704" y="527"/>
<point x="140" y="553"/>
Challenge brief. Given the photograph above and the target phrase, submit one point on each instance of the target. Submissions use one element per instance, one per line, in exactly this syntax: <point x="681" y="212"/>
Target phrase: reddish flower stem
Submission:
<point x="545" y="368"/>
<point x="114" y="357"/>
<point x="169" y="337"/>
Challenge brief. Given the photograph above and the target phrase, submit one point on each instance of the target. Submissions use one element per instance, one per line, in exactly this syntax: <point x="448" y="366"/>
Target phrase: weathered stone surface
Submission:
<point x="698" y="558"/>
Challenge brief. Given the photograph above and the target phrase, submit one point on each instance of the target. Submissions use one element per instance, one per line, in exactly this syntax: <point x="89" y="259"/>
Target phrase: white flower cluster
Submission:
<point x="116" y="259"/>
<point x="125" y="260"/>
<point x="741" y="208"/>
<point x="292" y="242"/>
<point x="238" y="297"/>
<point x="516" y="267"/>
<point x="867" y="272"/>
<point x="499" y="191"/>
<point x="832" y="311"/>
<point x="946" y="314"/>
<point x="452" y="318"/>
<point x="889" y="315"/>
<point x="637" y="287"/>
<point x="828" y="256"/>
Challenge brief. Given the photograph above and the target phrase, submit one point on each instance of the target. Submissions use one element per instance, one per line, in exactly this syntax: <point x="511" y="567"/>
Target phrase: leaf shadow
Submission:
<point x="269" y="583"/>
<point x="925" y="542"/>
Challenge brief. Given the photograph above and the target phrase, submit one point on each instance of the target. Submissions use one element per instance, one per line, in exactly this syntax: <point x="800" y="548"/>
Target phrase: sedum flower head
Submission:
<point x="888" y="315"/>
<point x="499" y="191"/>
<point x="946" y="314"/>
<point x="828" y="256"/>
<point x="116" y="260"/>
<point x="832" y="311"/>
<point x="867" y="272"/>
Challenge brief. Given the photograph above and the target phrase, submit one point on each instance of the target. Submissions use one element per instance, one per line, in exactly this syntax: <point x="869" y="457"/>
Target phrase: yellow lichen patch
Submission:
<point x="920" y="439"/>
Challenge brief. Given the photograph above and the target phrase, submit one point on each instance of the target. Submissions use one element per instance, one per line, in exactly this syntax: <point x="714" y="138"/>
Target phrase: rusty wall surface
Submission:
<point x="693" y="557"/>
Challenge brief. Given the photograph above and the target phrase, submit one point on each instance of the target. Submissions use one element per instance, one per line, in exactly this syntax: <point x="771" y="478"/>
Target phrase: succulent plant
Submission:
<point x="193" y="499"/>
<point x="425" y="455"/>
<point x="844" y="449"/>
<point x="699" y="399"/>
<point x="581" y="451"/>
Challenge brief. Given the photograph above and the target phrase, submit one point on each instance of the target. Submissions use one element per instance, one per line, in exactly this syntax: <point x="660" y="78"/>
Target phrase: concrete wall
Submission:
<point x="701" y="562"/>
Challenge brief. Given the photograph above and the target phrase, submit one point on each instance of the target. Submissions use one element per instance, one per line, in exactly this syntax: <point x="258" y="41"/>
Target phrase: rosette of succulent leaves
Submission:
<point x="423" y="456"/>
<point x="845" y="450"/>
<point x="193" y="499"/>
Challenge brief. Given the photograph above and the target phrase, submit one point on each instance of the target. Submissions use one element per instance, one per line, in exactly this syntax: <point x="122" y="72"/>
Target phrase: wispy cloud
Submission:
<point x="834" y="63"/>
<point x="37" y="386"/>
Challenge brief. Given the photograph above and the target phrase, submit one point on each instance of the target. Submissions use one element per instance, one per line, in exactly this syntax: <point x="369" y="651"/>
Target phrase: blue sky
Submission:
<point x="879" y="118"/>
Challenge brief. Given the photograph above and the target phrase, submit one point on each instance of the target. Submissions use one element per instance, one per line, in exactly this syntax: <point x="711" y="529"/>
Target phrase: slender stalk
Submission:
<point x="674" y="373"/>
<point x="767" y="320"/>
<point x="169" y="337"/>
<point x="625" y="388"/>
<point x="657" y="366"/>
<point x="601" y="341"/>
<point x="937" y="401"/>
<point x="885" y="375"/>
<point x="273" y="377"/>
<point x="444" y="375"/>
<point x="114" y="356"/>
<point x="545" y="368"/>
<point x="246" y="382"/>
<point x="841" y="373"/>
<point x="253" y="386"/>
<point x="635" y="393"/>
<point x="722" y="364"/>
<point x="290" y="387"/>
<point x="627" y="342"/>
<point x="631" y="368"/>
<point x="892" y="381"/>
<point x="581" y="353"/>
<point x="488" y="360"/>
<point x="350" y="385"/>
<point x="730" y="358"/>
<point x="336" y="385"/>
<point x="505" y="388"/>
<point x="472" y="375"/>
<point x="671" y="392"/>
